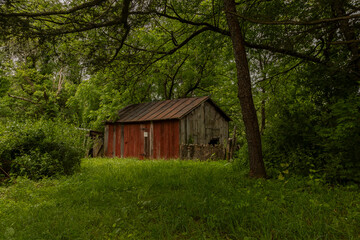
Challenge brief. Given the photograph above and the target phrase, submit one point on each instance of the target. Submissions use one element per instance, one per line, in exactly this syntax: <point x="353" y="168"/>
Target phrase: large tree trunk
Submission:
<point x="263" y="117"/>
<point x="257" y="168"/>
<point x="350" y="36"/>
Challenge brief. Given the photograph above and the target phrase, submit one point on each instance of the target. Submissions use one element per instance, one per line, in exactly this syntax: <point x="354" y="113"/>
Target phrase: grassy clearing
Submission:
<point x="131" y="199"/>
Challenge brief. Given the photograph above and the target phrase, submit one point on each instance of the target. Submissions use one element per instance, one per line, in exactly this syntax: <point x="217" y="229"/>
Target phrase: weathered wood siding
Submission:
<point x="117" y="140"/>
<point x="133" y="140"/>
<point x="202" y="125"/>
<point x="165" y="142"/>
<point x="106" y="139"/>
<point x="124" y="140"/>
<point x="158" y="139"/>
<point x="109" y="132"/>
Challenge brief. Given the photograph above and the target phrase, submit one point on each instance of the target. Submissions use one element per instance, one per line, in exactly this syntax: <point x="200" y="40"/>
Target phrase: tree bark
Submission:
<point x="263" y="101"/>
<point x="263" y="117"/>
<point x="257" y="168"/>
<point x="349" y="35"/>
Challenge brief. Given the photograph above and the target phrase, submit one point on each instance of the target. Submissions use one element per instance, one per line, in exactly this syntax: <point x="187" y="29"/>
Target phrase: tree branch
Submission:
<point x="50" y="13"/>
<point x="22" y="98"/>
<point x="283" y="51"/>
<point x="182" y="20"/>
<point x="196" y="85"/>
<point x="81" y="29"/>
<point x="124" y="20"/>
<point x="227" y="33"/>
<point x="183" y="43"/>
<point x="291" y="22"/>
<point x="174" y="76"/>
<point x="344" y="42"/>
<point x="279" y="73"/>
<point x="7" y="175"/>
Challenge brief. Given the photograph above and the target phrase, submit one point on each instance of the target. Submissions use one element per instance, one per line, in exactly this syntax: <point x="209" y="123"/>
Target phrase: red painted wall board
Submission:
<point x="118" y="141"/>
<point x="133" y="140"/>
<point x="166" y="139"/>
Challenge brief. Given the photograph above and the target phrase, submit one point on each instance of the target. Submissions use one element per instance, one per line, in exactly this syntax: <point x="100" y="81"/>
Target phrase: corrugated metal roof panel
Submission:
<point x="155" y="110"/>
<point x="189" y="107"/>
<point x="161" y="110"/>
<point x="137" y="112"/>
<point x="179" y="104"/>
<point x="158" y="115"/>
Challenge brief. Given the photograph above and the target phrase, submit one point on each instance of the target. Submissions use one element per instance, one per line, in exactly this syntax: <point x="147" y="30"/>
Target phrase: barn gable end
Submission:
<point x="204" y="125"/>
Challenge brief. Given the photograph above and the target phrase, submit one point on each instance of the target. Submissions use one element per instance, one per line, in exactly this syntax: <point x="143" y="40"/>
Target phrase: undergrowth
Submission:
<point x="40" y="149"/>
<point x="132" y="199"/>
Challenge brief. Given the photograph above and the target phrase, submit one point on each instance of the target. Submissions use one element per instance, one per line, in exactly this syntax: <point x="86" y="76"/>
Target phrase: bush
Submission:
<point x="324" y="144"/>
<point x="340" y="141"/>
<point x="40" y="149"/>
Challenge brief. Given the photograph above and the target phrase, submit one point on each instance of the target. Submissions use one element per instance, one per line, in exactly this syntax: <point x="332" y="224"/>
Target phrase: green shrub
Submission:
<point x="340" y="141"/>
<point x="322" y="144"/>
<point x="40" y="149"/>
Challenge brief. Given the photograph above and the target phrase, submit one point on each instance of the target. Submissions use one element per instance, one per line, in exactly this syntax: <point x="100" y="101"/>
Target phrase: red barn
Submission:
<point x="161" y="129"/>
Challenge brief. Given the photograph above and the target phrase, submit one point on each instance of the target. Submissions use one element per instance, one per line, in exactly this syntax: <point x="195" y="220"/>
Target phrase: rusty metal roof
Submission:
<point x="163" y="110"/>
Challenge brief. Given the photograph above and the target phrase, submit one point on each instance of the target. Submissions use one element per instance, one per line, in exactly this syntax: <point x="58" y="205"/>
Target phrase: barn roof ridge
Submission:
<point x="163" y="110"/>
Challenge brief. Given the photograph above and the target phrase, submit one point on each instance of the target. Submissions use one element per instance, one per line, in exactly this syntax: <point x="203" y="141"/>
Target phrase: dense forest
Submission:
<point x="286" y="71"/>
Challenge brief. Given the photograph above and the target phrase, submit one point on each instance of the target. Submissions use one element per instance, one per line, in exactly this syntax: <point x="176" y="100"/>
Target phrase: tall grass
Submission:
<point x="131" y="199"/>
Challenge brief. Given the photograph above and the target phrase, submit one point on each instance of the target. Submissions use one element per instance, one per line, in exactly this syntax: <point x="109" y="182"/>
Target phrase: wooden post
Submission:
<point x="233" y="144"/>
<point x="228" y="149"/>
<point x="106" y="140"/>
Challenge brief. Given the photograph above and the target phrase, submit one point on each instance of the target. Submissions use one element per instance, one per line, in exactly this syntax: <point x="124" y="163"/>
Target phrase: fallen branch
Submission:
<point x="4" y="172"/>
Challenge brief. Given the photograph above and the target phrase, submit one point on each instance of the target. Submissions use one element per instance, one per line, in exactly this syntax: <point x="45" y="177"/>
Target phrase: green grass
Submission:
<point x="131" y="199"/>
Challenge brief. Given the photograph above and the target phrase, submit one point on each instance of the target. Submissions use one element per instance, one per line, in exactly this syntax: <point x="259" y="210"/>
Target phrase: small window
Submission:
<point x="214" y="141"/>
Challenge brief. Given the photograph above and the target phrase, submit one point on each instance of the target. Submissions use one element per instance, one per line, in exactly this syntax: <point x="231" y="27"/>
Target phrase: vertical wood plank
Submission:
<point x="122" y="141"/>
<point x="202" y="124"/>
<point x="110" y="141"/>
<point x="106" y="139"/>
<point x="166" y="139"/>
<point x="133" y="140"/>
<point x="114" y="140"/>
<point x="151" y="136"/>
<point x="118" y="141"/>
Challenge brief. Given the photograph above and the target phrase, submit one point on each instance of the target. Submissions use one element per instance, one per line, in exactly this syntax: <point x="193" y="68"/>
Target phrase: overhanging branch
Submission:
<point x="182" y="20"/>
<point x="283" y="51"/>
<point x="50" y="13"/>
<point x="291" y="22"/>
<point x="90" y="26"/>
<point x="345" y="42"/>
<point x="124" y="20"/>
<point x="227" y="33"/>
